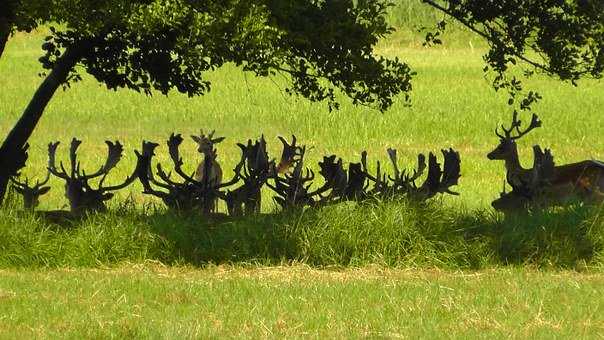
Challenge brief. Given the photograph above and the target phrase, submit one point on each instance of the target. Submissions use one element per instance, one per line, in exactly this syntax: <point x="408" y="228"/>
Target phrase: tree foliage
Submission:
<point x="164" y="45"/>
<point x="561" y="38"/>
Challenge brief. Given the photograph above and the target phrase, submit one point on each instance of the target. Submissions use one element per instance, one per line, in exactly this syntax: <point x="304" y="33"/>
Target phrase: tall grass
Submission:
<point x="394" y="234"/>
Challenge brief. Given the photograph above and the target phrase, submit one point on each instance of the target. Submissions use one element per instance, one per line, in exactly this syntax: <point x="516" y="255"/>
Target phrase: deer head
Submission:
<point x="507" y="141"/>
<point x="82" y="197"/>
<point x="257" y="165"/>
<point x="206" y="143"/>
<point x="31" y="194"/>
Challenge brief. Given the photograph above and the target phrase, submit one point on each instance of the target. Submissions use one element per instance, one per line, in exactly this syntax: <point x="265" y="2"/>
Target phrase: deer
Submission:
<point x="191" y="192"/>
<point x="546" y="183"/>
<point x="82" y="197"/>
<point x="208" y="170"/>
<point x="31" y="199"/>
<point x="293" y="189"/>
<point x="438" y="180"/>
<point x="257" y="169"/>
<point x="291" y="154"/>
<point x="342" y="185"/>
<point x="31" y="194"/>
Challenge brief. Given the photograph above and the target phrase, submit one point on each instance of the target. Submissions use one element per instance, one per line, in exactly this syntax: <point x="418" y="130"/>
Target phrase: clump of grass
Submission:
<point x="399" y="233"/>
<point x="559" y="237"/>
<point x="391" y="233"/>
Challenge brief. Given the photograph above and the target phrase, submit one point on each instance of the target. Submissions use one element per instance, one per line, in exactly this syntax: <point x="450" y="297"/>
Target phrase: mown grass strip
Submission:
<point x="151" y="301"/>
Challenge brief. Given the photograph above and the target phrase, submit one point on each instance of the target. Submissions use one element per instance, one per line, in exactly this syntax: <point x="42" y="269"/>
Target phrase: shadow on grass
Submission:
<point x="393" y="234"/>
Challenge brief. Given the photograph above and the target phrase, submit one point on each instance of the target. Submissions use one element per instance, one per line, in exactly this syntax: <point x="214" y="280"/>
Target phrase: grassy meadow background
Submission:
<point x="453" y="106"/>
<point x="451" y="268"/>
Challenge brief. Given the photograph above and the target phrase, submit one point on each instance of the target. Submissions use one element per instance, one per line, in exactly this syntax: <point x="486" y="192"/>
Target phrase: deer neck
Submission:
<point x="209" y="158"/>
<point x="512" y="163"/>
<point x="514" y="170"/>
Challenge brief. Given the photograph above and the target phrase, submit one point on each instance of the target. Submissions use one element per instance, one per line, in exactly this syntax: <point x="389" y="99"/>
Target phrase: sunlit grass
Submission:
<point x="159" y="278"/>
<point x="151" y="301"/>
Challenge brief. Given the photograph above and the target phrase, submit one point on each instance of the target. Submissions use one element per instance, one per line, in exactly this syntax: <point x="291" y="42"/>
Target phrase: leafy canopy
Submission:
<point x="561" y="38"/>
<point x="171" y="44"/>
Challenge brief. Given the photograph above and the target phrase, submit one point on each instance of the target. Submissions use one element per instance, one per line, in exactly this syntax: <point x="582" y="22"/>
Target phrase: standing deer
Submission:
<point x="209" y="170"/>
<point x="544" y="183"/>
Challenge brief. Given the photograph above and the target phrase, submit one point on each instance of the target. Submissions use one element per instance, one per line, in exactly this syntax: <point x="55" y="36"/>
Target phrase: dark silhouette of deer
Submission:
<point x="291" y="154"/>
<point x="186" y="194"/>
<point x="438" y="180"/>
<point x="545" y="184"/>
<point x="247" y="199"/>
<point x="82" y="197"/>
<point x="293" y="189"/>
<point x="31" y="194"/>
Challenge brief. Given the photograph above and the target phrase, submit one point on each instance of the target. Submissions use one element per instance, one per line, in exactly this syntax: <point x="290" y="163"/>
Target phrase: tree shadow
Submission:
<point x="564" y="237"/>
<point x="195" y="240"/>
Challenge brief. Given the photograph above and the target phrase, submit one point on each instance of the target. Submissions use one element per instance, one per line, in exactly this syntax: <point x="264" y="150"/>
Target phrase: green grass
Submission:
<point x="453" y="106"/>
<point x="394" y="234"/>
<point x="152" y="301"/>
<point x="168" y="276"/>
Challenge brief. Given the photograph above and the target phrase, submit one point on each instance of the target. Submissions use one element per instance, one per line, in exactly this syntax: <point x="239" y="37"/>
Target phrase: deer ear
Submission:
<point x="196" y="139"/>
<point x="218" y="140"/>
<point x="43" y="190"/>
<point x="18" y="190"/>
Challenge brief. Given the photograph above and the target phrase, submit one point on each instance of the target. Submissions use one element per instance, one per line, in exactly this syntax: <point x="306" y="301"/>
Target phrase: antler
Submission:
<point x="25" y="185"/>
<point x="535" y="123"/>
<point x="114" y="155"/>
<point x="439" y="181"/>
<point x="451" y="171"/>
<point x="393" y="160"/>
<point x="173" y="144"/>
<point x="290" y="151"/>
<point x="52" y="168"/>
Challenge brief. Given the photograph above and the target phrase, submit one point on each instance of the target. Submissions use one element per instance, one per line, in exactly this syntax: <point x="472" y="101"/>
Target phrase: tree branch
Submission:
<point x="484" y="35"/>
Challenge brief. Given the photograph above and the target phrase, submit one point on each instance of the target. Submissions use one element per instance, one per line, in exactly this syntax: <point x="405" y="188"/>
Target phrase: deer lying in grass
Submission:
<point x="82" y="197"/>
<point x="403" y="184"/>
<point x="31" y="194"/>
<point x="31" y="199"/>
<point x="545" y="184"/>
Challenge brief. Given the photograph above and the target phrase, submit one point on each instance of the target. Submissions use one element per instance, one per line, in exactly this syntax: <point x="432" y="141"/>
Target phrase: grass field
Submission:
<point x="342" y="271"/>
<point x="150" y="301"/>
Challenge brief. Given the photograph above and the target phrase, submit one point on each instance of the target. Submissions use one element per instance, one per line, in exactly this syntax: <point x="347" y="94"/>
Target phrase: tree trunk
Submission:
<point x="4" y="33"/>
<point x="12" y="151"/>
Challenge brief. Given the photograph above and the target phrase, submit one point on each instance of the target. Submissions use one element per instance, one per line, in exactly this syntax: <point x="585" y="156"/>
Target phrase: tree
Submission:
<point x="561" y="38"/>
<point x="160" y="45"/>
<point x="21" y="15"/>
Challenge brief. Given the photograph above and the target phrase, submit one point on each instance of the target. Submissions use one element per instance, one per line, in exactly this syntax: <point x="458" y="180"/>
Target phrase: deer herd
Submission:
<point x="293" y="183"/>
